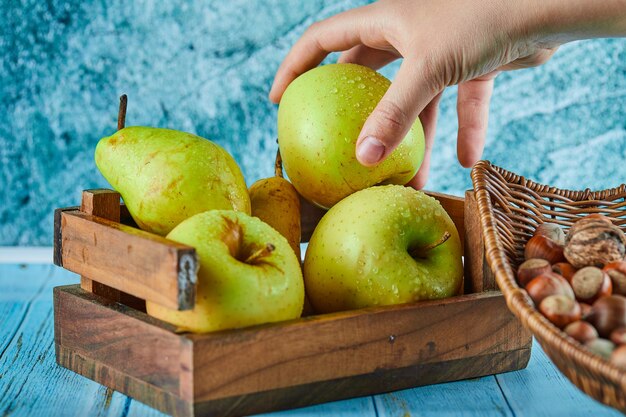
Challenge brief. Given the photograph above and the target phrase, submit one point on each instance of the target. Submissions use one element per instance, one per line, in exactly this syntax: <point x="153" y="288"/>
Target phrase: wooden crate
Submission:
<point x="103" y="332"/>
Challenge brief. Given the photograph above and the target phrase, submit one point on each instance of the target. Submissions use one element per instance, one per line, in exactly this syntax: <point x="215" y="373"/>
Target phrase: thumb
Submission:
<point x="394" y="115"/>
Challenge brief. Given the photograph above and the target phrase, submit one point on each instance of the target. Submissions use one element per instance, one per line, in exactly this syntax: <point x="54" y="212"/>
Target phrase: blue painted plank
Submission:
<point x="541" y="390"/>
<point x="20" y="284"/>
<point x="357" y="407"/>
<point x="472" y="397"/>
<point x="31" y="384"/>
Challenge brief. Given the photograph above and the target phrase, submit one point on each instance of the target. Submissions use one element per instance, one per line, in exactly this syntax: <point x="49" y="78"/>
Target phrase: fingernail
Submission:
<point x="370" y="151"/>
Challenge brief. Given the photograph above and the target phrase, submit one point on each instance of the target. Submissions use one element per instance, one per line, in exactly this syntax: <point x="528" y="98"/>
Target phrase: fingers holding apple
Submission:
<point x="380" y="246"/>
<point x="320" y="117"/>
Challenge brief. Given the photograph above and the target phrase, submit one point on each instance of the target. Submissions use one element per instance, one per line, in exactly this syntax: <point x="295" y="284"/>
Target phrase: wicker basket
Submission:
<point x="510" y="208"/>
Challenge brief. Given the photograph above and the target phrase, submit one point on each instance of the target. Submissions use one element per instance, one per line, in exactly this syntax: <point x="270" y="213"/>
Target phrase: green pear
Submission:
<point x="380" y="246"/>
<point x="248" y="274"/>
<point x="320" y="117"/>
<point x="166" y="176"/>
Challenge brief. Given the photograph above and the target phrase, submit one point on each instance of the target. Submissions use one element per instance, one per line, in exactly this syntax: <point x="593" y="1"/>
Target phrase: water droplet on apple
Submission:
<point x="334" y="90"/>
<point x="350" y="81"/>
<point x="394" y="289"/>
<point x="358" y="78"/>
<point x="361" y="86"/>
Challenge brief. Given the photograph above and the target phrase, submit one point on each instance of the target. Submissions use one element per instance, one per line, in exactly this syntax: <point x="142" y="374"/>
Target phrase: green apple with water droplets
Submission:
<point x="320" y="117"/>
<point x="248" y="274"/>
<point x="381" y="246"/>
<point x="166" y="176"/>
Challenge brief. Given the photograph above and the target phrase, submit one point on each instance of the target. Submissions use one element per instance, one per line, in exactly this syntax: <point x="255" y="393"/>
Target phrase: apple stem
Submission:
<point x="278" y="165"/>
<point x="419" y="251"/>
<point x="121" y="114"/>
<point x="261" y="253"/>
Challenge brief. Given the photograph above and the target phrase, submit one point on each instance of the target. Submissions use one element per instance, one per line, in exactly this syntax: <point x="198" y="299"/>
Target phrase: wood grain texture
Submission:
<point x="31" y="384"/>
<point x="472" y="397"/>
<point x="139" y="263"/>
<point x="106" y="204"/>
<point x="478" y="275"/>
<point x="354" y="343"/>
<point x="353" y="354"/>
<point x="378" y="382"/>
<point x="92" y="332"/>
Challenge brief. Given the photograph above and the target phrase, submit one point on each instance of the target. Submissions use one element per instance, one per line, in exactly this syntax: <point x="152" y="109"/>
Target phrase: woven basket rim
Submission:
<point x="518" y="301"/>
<point x="575" y="195"/>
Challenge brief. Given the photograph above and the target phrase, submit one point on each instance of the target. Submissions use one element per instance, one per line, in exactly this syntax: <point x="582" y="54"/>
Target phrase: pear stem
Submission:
<point x="420" y="250"/>
<point x="261" y="253"/>
<point x="278" y="165"/>
<point x="121" y="114"/>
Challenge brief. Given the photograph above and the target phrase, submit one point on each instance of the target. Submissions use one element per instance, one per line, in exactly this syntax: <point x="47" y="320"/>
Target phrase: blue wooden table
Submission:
<point x="31" y="384"/>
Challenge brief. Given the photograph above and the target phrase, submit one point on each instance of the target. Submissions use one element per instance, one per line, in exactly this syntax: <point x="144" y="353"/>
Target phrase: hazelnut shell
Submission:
<point x="608" y="314"/>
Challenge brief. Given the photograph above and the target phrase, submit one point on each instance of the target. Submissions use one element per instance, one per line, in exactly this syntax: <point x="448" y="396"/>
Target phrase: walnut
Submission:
<point x="594" y="242"/>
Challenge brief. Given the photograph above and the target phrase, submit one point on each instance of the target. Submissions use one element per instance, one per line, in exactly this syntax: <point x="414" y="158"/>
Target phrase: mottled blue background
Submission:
<point x="206" y="68"/>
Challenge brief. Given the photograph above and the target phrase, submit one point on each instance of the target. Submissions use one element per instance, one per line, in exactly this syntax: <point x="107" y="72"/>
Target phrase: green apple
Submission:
<point x="380" y="246"/>
<point x="248" y="274"/>
<point x="319" y="120"/>
<point x="166" y="176"/>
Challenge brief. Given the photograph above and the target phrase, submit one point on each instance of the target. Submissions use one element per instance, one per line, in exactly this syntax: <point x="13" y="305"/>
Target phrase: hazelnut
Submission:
<point x="608" y="314"/>
<point x="560" y="310"/>
<point x="594" y="243"/>
<point x="581" y="331"/>
<point x="618" y="336"/>
<point x="540" y="246"/>
<point x="546" y="285"/>
<point x="601" y="347"/>
<point x="565" y="269"/>
<point x="617" y="273"/>
<point x="552" y="231"/>
<point x="586" y="310"/>
<point x="618" y="357"/>
<point x="530" y="269"/>
<point x="591" y="283"/>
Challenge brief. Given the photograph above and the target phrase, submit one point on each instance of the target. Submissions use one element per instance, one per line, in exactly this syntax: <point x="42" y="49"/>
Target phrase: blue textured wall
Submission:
<point x="206" y="68"/>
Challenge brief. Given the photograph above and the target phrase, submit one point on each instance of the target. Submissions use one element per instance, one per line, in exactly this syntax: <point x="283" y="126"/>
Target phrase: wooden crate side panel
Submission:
<point x="361" y="385"/>
<point x="119" y="380"/>
<point x="90" y="327"/>
<point x="139" y="263"/>
<point x="478" y="274"/>
<point x="354" y="343"/>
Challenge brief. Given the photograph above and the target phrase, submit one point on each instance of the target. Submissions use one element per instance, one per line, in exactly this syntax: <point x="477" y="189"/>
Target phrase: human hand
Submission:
<point x="442" y="43"/>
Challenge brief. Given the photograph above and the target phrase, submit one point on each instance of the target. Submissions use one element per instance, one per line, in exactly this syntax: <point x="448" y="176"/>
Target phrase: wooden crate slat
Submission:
<point x="106" y="204"/>
<point x="353" y="343"/>
<point x="139" y="263"/>
<point x="285" y="365"/>
<point x="91" y="326"/>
